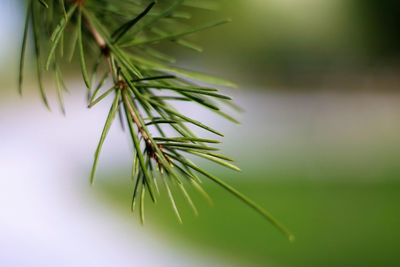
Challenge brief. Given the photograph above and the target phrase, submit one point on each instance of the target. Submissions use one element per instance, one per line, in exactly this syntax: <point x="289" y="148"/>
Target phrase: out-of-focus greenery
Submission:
<point x="275" y="42"/>
<point x="332" y="176"/>
<point x="337" y="224"/>
<point x="343" y="208"/>
<point x="272" y="42"/>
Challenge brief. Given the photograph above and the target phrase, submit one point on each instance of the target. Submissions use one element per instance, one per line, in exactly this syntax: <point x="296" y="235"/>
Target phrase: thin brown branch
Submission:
<point x="132" y="112"/>
<point x="100" y="41"/>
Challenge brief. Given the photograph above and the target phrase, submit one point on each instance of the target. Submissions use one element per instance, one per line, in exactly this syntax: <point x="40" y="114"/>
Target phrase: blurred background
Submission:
<point x="319" y="146"/>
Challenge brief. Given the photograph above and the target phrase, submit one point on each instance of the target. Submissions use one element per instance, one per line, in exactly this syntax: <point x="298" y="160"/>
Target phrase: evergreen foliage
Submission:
<point x="120" y="35"/>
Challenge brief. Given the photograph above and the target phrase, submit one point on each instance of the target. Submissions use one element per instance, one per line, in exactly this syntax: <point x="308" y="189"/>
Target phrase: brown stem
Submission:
<point x="96" y="35"/>
<point x="101" y="42"/>
<point x="120" y="83"/>
<point x="134" y="117"/>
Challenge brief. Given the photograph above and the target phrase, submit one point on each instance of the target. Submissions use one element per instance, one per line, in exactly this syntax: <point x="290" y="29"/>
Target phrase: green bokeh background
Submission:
<point x="340" y="197"/>
<point x="336" y="224"/>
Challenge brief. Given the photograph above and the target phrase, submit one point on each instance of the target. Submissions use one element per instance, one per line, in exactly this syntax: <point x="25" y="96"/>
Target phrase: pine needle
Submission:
<point x="116" y="41"/>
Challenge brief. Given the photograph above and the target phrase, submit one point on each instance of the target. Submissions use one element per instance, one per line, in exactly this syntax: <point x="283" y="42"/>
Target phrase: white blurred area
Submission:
<point x="50" y="216"/>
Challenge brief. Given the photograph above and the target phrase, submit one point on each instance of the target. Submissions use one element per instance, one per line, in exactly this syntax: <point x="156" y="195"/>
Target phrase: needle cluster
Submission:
<point x="116" y="44"/>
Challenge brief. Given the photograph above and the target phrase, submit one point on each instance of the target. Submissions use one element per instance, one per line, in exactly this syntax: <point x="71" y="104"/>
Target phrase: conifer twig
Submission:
<point x="125" y="36"/>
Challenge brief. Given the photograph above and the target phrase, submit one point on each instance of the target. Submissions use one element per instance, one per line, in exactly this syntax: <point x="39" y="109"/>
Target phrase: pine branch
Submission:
<point x="126" y="34"/>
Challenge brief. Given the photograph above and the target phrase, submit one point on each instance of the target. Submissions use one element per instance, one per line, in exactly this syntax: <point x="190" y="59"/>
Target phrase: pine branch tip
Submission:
<point x="145" y="85"/>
